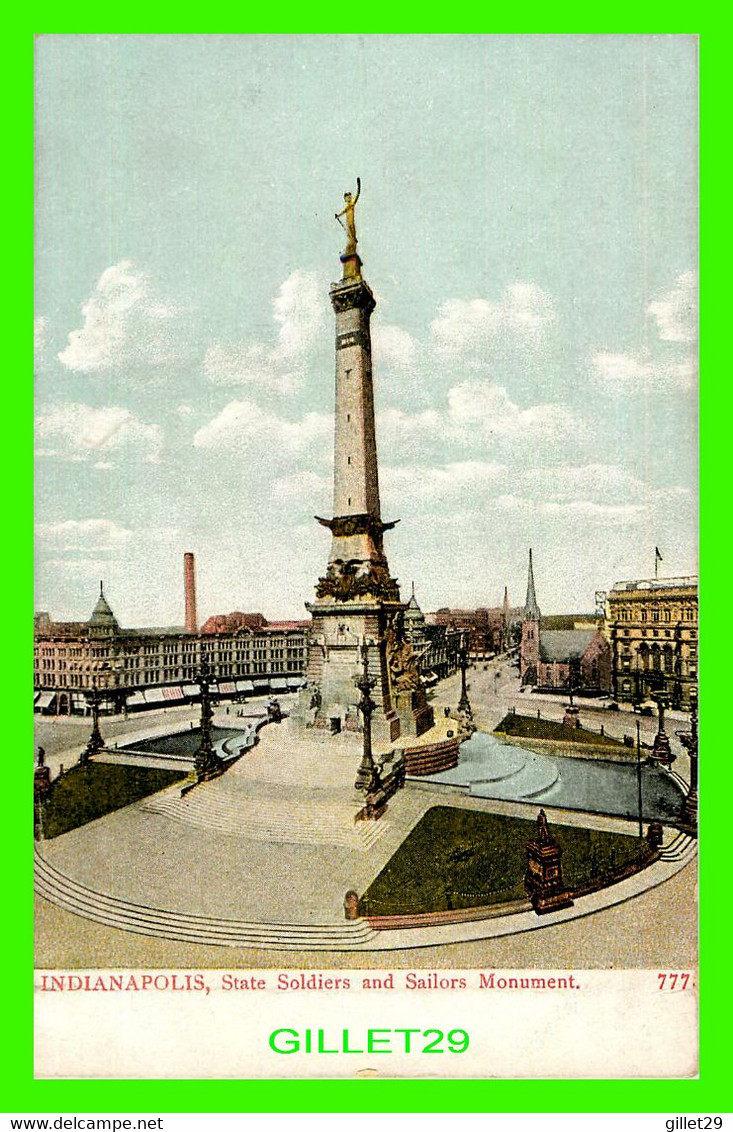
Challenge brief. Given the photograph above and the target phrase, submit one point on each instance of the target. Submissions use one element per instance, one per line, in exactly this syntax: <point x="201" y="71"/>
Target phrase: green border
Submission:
<point x="24" y="1095"/>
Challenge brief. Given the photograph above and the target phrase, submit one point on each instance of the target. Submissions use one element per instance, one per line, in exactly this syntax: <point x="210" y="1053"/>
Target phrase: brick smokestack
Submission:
<point x="189" y="584"/>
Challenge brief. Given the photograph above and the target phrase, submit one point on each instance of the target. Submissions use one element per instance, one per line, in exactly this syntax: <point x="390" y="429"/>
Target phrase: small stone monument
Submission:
<point x="351" y="905"/>
<point x="655" y="835"/>
<point x="41" y="778"/>
<point x="543" y="879"/>
<point x="571" y="718"/>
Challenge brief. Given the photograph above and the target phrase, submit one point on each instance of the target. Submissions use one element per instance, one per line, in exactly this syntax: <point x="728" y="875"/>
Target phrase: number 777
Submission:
<point x="673" y="981"/>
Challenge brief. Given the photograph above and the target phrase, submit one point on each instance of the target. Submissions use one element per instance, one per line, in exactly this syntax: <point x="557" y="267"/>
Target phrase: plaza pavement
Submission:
<point x="274" y="840"/>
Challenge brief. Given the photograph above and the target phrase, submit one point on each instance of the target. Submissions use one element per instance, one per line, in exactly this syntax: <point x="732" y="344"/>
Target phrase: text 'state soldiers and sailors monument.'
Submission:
<point x="358" y="611"/>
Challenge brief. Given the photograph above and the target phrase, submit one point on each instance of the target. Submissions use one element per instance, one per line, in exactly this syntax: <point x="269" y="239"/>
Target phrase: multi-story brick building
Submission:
<point x="651" y="626"/>
<point x="488" y="630"/>
<point x="136" y="668"/>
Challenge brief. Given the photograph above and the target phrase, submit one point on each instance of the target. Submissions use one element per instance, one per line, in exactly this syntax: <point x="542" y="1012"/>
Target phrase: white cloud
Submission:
<point x="393" y="346"/>
<point x="244" y="425"/>
<point x="676" y="312"/>
<point x="622" y="373"/>
<point x="592" y="492"/>
<point x="40" y="337"/>
<point x="476" y="413"/>
<point x="300" y="311"/>
<point x="441" y="485"/>
<point x="299" y="314"/>
<point x="88" y="536"/>
<point x="125" y="325"/>
<point x="602" y="482"/>
<point x="78" y="432"/>
<point x="306" y="488"/>
<point x="489" y="407"/>
<point x="465" y="326"/>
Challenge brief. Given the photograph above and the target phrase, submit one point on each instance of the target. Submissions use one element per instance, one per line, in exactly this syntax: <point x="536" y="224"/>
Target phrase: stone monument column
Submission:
<point x="358" y="601"/>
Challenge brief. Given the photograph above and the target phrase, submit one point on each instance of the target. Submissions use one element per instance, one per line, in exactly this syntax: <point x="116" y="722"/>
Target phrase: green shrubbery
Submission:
<point x="87" y="792"/>
<point x="529" y="727"/>
<point x="464" y="858"/>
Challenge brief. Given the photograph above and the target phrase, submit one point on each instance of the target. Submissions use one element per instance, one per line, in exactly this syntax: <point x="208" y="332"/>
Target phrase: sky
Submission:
<point x="528" y="224"/>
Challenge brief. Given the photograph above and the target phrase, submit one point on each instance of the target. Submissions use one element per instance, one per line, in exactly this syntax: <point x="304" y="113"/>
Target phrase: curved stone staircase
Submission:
<point x="681" y="846"/>
<point x="266" y="819"/>
<point x="66" y="893"/>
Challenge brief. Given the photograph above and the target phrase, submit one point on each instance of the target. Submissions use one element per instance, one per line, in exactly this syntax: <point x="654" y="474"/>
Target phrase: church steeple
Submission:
<point x="531" y="608"/>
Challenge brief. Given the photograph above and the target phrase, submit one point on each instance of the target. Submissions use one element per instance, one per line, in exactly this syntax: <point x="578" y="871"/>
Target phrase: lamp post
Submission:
<point x="689" y="741"/>
<point x="41" y="791"/>
<point x="464" y="704"/>
<point x="661" y="751"/>
<point x="367" y="777"/>
<point x="638" y="777"/>
<point x="571" y="716"/>
<point x="95" y="742"/>
<point x="206" y="763"/>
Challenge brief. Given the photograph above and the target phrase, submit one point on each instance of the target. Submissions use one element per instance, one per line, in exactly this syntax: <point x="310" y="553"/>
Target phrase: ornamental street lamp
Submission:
<point x="367" y="777"/>
<point x="207" y="763"/>
<point x="464" y="704"/>
<point x="95" y="742"/>
<point x="661" y="751"/>
<point x="689" y="741"/>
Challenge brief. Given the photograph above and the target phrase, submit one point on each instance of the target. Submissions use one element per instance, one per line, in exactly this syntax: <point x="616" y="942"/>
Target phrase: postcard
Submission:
<point x="366" y="631"/>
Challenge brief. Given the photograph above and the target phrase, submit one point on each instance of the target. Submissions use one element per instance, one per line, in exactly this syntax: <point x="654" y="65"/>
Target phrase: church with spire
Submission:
<point x="562" y="651"/>
<point x="529" y="650"/>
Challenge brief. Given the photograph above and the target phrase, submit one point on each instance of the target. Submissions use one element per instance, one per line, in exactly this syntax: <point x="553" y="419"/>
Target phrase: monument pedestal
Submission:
<point x="571" y="718"/>
<point x="543" y="879"/>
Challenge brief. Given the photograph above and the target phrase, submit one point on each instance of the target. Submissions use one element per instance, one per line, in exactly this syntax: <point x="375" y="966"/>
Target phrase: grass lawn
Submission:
<point x="84" y="793"/>
<point x="529" y="727"/>
<point x="463" y="859"/>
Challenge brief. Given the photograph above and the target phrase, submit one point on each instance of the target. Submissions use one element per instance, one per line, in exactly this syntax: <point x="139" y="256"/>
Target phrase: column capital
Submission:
<point x="348" y="295"/>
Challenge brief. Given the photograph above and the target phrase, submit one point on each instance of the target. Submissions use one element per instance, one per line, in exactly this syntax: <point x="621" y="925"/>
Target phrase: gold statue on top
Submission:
<point x="350" y="225"/>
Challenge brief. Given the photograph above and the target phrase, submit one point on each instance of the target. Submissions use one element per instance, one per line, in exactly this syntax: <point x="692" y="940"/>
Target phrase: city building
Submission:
<point x="563" y="651"/>
<point x="489" y="630"/>
<point x="138" y="668"/>
<point x="437" y="648"/>
<point x="651" y="627"/>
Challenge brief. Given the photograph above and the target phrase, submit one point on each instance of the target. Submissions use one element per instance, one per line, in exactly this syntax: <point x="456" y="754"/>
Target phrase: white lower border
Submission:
<point x="220" y="1024"/>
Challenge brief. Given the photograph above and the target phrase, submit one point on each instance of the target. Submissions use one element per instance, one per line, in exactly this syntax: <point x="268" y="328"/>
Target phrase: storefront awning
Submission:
<point x="154" y="696"/>
<point x="279" y="685"/>
<point x="245" y="686"/>
<point x="35" y="697"/>
<point x="262" y="684"/>
<point x="191" y="690"/>
<point x="136" y="699"/>
<point x="227" y="688"/>
<point x="45" y="700"/>
<point x="174" y="693"/>
<point x="295" y="681"/>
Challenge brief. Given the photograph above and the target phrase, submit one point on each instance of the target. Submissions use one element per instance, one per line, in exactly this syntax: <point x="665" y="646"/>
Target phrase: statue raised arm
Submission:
<point x="348" y="212"/>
